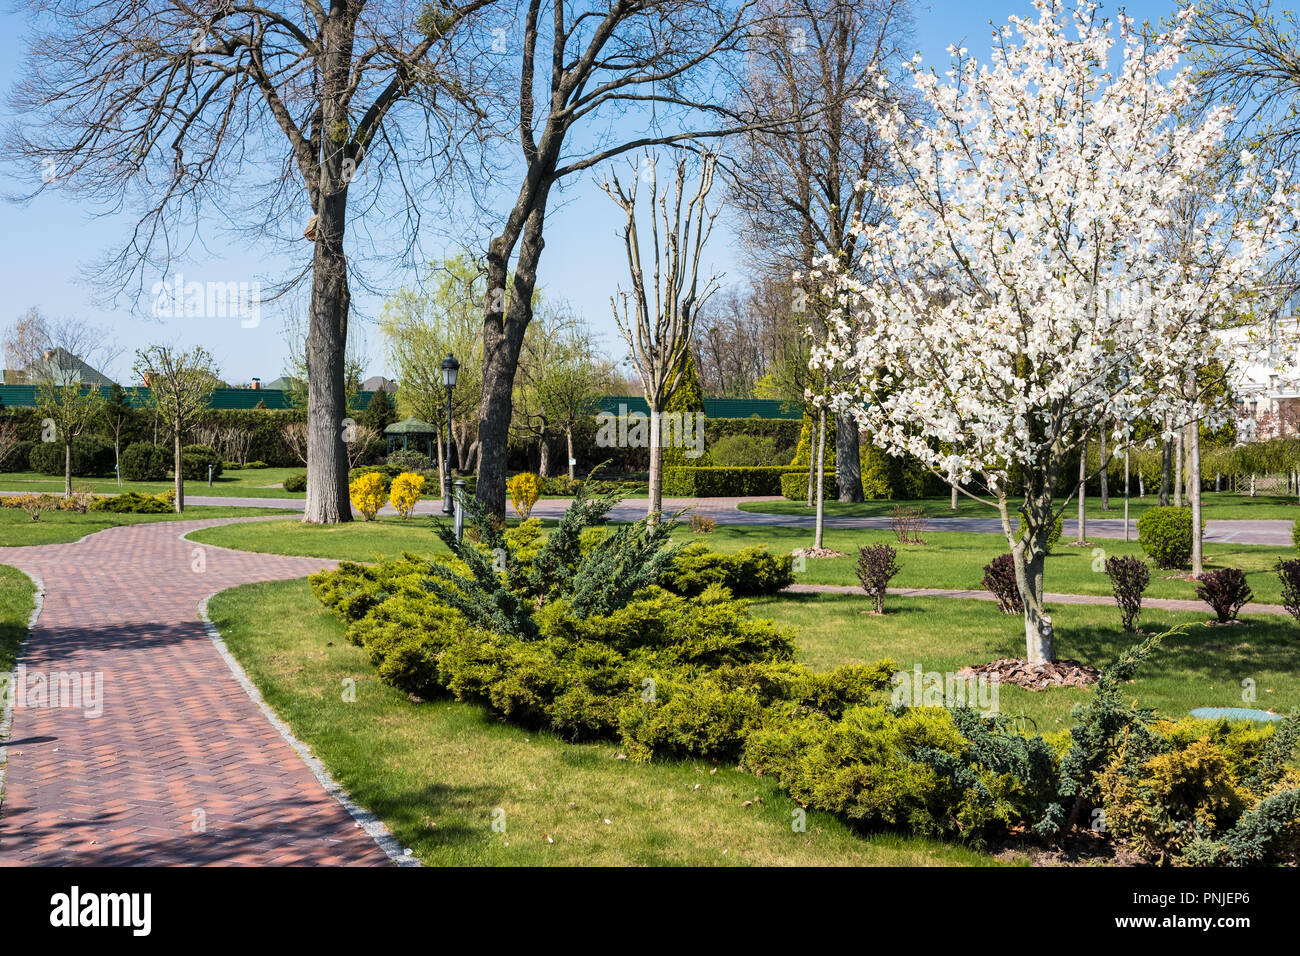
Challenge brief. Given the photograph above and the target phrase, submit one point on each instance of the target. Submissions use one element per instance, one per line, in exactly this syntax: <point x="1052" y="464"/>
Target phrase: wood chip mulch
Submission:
<point x="1066" y="673"/>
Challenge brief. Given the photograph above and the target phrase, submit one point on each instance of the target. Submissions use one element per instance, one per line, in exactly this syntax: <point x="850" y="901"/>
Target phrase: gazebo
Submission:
<point x="412" y="431"/>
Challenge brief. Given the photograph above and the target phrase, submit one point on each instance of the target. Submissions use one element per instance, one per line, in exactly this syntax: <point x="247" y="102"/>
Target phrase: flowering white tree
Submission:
<point x="1020" y="295"/>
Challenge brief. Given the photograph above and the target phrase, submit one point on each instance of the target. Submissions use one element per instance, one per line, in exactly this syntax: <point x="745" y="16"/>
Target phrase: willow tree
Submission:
<point x="265" y="116"/>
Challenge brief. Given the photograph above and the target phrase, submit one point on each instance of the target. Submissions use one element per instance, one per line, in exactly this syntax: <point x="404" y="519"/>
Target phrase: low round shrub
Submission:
<point x="144" y="461"/>
<point x="750" y="572"/>
<point x="1000" y="581"/>
<point x="1165" y="535"/>
<point x="195" y="460"/>
<point x="135" y="502"/>
<point x="296" y="481"/>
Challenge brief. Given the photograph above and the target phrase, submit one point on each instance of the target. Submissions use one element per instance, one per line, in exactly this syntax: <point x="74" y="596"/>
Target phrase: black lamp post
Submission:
<point x="450" y="368"/>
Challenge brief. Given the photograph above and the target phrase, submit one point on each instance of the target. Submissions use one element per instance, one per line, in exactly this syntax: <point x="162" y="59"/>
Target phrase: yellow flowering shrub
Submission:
<point x="405" y="492"/>
<point x="525" y="488"/>
<point x="367" y="494"/>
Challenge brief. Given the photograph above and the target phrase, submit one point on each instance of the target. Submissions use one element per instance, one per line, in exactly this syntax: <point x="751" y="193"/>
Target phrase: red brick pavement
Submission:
<point x="179" y="741"/>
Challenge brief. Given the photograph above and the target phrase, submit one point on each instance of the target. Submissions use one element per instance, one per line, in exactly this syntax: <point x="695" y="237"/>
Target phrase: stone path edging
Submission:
<point x="367" y="820"/>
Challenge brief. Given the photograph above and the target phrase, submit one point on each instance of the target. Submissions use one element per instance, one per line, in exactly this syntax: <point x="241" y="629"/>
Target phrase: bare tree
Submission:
<point x="796" y="188"/>
<point x="8" y="439"/>
<point x="295" y="436"/>
<point x="737" y="341"/>
<point x="606" y="59"/>
<point x="163" y="101"/>
<point x="61" y="360"/>
<point x="180" y="386"/>
<point x="658" y="315"/>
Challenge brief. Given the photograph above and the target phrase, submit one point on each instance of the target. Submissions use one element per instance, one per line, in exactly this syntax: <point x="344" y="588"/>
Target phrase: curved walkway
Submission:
<point x="727" y="511"/>
<point x="181" y="766"/>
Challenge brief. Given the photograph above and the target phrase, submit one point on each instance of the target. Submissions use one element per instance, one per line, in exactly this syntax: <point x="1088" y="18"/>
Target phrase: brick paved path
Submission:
<point x="178" y="742"/>
<point x="727" y="511"/>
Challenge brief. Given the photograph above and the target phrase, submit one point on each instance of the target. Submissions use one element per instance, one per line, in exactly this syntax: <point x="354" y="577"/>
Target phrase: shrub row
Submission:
<point x="726" y="482"/>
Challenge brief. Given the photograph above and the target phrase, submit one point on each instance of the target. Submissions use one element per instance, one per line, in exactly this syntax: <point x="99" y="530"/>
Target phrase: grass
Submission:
<point x="1215" y="504"/>
<point x="16" y="599"/>
<point x="59" y="527"/>
<point x="437" y="772"/>
<point x="385" y="537"/>
<point x="948" y="559"/>
<point x="1203" y="667"/>
<point x="233" y="483"/>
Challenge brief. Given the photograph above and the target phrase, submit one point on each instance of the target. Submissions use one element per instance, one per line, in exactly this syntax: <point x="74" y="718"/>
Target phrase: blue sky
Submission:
<point x="45" y="245"/>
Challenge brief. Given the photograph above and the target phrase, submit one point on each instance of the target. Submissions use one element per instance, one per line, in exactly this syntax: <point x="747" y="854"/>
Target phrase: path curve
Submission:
<point x="181" y="767"/>
<point x="727" y="511"/>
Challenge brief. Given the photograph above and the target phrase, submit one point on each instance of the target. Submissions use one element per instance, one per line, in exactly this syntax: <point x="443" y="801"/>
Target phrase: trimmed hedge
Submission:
<point x="795" y="485"/>
<point x="1165" y="535"/>
<point x="145" y="461"/>
<point x="721" y="482"/>
<point x="296" y="482"/>
<point x="195" y="460"/>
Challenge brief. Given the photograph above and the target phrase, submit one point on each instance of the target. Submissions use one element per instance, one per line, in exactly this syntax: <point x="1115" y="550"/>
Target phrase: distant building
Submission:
<point x="60" y="366"/>
<point x="376" y="383"/>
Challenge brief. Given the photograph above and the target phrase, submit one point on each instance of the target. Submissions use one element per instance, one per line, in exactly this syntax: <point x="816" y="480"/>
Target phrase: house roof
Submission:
<point x="70" y="368"/>
<point x="376" y="382"/>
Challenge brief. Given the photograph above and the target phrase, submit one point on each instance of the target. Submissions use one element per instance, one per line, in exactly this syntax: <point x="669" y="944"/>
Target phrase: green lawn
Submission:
<point x="947" y="560"/>
<point x="1202" y="668"/>
<point x="436" y="772"/>
<point x="16" y="593"/>
<point x="1223" y="504"/>
<point x="234" y="483"/>
<point x="385" y="537"/>
<point x="58" y="527"/>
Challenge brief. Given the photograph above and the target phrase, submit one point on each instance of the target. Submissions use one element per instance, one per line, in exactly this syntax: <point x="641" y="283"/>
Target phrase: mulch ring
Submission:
<point x="817" y="553"/>
<point x="1066" y="673"/>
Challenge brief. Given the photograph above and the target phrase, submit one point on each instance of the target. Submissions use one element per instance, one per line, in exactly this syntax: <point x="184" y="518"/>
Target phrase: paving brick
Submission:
<point x="177" y="733"/>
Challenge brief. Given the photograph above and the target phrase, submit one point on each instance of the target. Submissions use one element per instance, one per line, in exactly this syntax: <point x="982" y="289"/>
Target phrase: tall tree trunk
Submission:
<point x="1083" y="493"/>
<point x="821" y="478"/>
<point x="506" y="318"/>
<point x="327" y="333"/>
<point x="1194" y="495"/>
<point x="1166" y="464"/>
<point x="656" y="502"/>
<point x="568" y="440"/>
<point x="67" y="467"/>
<point x="848" y="463"/>
<point x="1103" y="468"/>
<point x="179" y="504"/>
<point x="952" y="505"/>
<point x="1178" y="470"/>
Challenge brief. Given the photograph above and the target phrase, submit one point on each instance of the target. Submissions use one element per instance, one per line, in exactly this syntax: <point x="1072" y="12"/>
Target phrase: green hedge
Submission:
<point x="719" y="482"/>
<point x="1165" y="535"/>
<point x="795" y="485"/>
<point x="91" y="457"/>
<point x="145" y="461"/>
